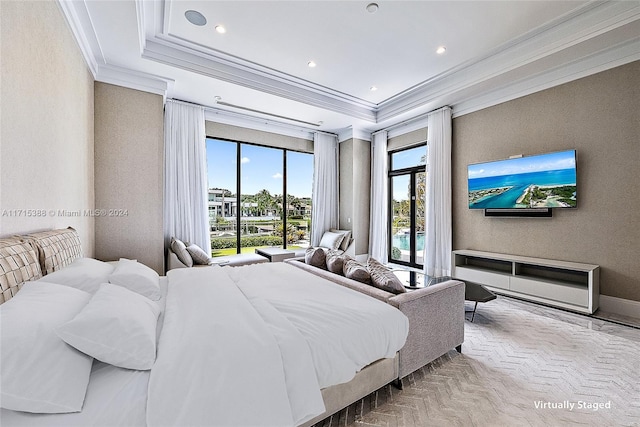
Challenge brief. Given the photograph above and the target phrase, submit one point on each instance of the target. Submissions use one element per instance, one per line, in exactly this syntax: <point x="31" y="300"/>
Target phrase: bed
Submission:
<point x="265" y="344"/>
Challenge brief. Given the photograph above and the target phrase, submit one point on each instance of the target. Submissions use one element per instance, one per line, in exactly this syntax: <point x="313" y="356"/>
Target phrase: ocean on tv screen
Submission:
<point x="547" y="189"/>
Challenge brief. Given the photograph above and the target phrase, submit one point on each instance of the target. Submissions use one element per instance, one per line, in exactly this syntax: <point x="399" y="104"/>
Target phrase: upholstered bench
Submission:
<point x="230" y="260"/>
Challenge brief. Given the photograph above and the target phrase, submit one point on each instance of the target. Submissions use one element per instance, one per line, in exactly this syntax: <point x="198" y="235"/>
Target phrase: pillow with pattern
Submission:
<point x="383" y="278"/>
<point x="335" y="261"/>
<point x="180" y="249"/>
<point x="315" y="257"/>
<point x="352" y="269"/>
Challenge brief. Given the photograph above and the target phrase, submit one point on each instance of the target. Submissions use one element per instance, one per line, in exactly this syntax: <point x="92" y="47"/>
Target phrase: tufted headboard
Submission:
<point x="31" y="256"/>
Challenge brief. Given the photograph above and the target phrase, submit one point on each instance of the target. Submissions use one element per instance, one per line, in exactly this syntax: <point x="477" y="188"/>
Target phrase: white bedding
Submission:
<point x="266" y="337"/>
<point x="115" y="397"/>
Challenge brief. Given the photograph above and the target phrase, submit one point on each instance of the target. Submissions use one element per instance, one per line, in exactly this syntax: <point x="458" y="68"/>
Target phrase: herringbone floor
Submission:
<point x="522" y="365"/>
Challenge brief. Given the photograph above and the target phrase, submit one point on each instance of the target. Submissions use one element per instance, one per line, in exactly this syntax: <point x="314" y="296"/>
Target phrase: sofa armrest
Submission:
<point x="173" y="261"/>
<point x="436" y="323"/>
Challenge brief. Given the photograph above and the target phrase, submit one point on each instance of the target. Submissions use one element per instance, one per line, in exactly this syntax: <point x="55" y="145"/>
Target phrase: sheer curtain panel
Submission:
<point x="186" y="210"/>
<point x="379" y="222"/>
<point x="324" y="212"/>
<point x="437" y="250"/>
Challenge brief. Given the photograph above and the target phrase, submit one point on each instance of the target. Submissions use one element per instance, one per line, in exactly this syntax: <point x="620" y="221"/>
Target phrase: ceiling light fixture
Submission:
<point x="373" y="88"/>
<point x="441" y="50"/>
<point x="311" y="64"/>
<point x="372" y="7"/>
<point x="195" y="17"/>
<point x="220" y="29"/>
<point x="217" y="98"/>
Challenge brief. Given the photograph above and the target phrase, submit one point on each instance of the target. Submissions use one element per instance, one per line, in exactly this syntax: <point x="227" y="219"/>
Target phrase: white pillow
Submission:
<point x="40" y="373"/>
<point x="198" y="254"/>
<point x="345" y="240"/>
<point x="116" y="327"/>
<point x="137" y="278"/>
<point x="331" y="240"/>
<point x="85" y="274"/>
<point x="179" y="248"/>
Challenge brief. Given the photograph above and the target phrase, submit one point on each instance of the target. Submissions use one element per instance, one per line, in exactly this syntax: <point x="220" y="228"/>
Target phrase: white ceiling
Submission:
<point x="496" y="50"/>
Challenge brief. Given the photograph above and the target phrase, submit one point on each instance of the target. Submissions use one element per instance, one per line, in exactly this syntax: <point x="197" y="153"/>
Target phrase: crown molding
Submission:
<point x="81" y="26"/>
<point x="134" y="79"/>
<point x="353" y="133"/>
<point x="604" y="60"/>
<point x="593" y="38"/>
<point x="503" y="65"/>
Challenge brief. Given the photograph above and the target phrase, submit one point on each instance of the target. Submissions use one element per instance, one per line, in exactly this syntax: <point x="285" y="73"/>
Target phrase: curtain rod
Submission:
<point x="411" y="120"/>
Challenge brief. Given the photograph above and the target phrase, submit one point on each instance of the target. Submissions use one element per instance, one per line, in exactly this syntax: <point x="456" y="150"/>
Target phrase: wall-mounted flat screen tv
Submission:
<point x="540" y="181"/>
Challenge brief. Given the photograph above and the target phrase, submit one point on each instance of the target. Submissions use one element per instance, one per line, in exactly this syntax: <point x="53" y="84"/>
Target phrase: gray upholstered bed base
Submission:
<point x="368" y="380"/>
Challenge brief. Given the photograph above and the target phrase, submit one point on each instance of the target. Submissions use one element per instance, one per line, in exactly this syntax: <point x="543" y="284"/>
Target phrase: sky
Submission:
<point x="261" y="168"/>
<point x="405" y="159"/>
<point x="539" y="163"/>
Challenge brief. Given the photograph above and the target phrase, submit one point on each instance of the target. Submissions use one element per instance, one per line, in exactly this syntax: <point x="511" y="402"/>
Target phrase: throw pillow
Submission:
<point x="198" y="254"/>
<point x="352" y="269"/>
<point x="180" y="249"/>
<point x="137" y="277"/>
<point x="345" y="240"/>
<point x="315" y="257"/>
<point x="117" y="327"/>
<point x="335" y="262"/>
<point x="331" y="240"/>
<point x="383" y="278"/>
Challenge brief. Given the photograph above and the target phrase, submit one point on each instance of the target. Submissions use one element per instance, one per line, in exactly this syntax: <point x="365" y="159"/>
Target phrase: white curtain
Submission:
<point x="437" y="250"/>
<point x="378" y="225"/>
<point x="324" y="214"/>
<point x="186" y="210"/>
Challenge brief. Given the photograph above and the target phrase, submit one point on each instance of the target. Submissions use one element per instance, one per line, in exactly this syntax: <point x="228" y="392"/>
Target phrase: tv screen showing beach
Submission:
<point x="542" y="181"/>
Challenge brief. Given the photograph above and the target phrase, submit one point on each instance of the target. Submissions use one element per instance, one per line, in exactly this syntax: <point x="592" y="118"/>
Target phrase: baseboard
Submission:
<point x="620" y="306"/>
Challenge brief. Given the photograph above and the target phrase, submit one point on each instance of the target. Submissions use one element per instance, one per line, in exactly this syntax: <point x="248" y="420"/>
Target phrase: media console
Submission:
<point x="569" y="285"/>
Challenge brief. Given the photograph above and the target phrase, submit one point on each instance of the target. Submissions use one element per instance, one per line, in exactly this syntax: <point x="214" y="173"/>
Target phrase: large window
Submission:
<point x="407" y="180"/>
<point x="258" y="196"/>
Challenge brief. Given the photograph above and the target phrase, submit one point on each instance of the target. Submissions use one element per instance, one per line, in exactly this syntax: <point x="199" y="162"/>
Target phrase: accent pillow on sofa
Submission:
<point x="40" y="372"/>
<point x="383" y="278"/>
<point x="315" y="257"/>
<point x="198" y="255"/>
<point x="345" y="240"/>
<point x="117" y="327"/>
<point x="331" y="240"/>
<point x="354" y="270"/>
<point x="335" y="261"/>
<point x="180" y="249"/>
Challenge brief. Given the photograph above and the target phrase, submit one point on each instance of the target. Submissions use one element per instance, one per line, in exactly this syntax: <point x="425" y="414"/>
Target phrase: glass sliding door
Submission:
<point x="258" y="196"/>
<point x="407" y="180"/>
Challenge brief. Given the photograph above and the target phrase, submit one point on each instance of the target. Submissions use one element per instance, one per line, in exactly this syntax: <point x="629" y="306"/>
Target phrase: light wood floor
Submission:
<point x="522" y="365"/>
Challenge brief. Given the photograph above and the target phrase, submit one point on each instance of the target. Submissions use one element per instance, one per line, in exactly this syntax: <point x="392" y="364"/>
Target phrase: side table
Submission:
<point x="275" y="254"/>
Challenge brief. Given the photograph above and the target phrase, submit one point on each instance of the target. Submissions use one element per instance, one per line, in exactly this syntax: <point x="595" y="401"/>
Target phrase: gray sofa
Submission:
<point x="436" y="316"/>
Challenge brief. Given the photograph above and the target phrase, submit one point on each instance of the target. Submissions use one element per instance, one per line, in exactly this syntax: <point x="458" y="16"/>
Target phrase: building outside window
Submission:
<point x="258" y="196"/>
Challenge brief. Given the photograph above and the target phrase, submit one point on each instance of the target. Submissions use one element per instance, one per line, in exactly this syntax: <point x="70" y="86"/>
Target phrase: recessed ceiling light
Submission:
<point x="217" y="98"/>
<point x="220" y="29"/>
<point x="372" y="7"/>
<point x="195" y="17"/>
<point x="311" y="64"/>
<point x="373" y="88"/>
<point x="441" y="50"/>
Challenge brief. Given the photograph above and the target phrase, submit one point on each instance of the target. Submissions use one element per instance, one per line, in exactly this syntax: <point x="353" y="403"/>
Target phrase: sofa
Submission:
<point x="436" y="316"/>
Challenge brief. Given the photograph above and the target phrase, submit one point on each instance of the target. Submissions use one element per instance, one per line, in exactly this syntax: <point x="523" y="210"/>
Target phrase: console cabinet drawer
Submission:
<point x="570" y="294"/>
<point x="488" y="278"/>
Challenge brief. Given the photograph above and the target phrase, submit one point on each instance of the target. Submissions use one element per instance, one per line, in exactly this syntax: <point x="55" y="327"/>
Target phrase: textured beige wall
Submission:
<point x="600" y="117"/>
<point x="408" y="139"/>
<point x="129" y="140"/>
<point x="236" y="133"/>
<point x="46" y="136"/>
<point x="355" y="191"/>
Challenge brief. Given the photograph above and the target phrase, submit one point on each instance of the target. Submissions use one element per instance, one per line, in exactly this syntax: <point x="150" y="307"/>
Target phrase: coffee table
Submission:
<point x="275" y="254"/>
<point x="473" y="292"/>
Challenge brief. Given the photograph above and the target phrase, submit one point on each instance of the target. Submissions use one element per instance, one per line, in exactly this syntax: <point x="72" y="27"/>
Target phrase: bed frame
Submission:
<point x="31" y="256"/>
